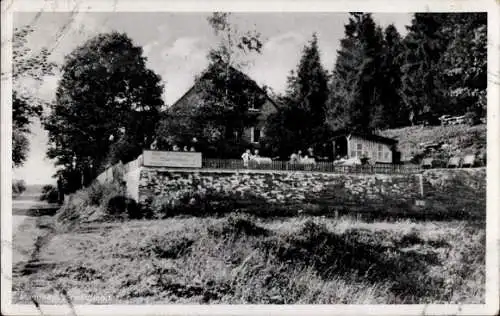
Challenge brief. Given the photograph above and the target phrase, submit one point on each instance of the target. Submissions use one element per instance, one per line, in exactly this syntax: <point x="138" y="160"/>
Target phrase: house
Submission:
<point x="377" y="148"/>
<point x="252" y="134"/>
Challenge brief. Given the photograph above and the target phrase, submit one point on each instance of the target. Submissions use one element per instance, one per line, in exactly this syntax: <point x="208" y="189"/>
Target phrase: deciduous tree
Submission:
<point x="28" y="66"/>
<point x="107" y="104"/>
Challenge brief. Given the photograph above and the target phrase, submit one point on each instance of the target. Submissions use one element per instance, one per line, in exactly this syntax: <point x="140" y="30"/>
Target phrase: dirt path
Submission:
<point x="32" y="229"/>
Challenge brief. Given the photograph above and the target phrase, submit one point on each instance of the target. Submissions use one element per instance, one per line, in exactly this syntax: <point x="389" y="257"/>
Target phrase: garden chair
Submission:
<point x="454" y="162"/>
<point x="469" y="161"/>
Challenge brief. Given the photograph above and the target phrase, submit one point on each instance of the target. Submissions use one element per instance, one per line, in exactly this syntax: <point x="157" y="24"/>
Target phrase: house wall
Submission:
<point x="371" y="148"/>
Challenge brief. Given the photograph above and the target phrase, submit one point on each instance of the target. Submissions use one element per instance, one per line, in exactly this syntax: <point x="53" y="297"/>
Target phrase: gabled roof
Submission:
<point x="368" y="136"/>
<point x="204" y="74"/>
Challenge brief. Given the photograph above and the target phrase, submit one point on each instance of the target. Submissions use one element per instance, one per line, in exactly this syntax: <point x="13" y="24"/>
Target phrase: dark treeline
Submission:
<point x="383" y="80"/>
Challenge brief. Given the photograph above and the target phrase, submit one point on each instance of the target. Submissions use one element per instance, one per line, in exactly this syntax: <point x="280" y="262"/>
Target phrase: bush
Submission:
<point x="98" y="202"/>
<point x="18" y="186"/>
<point x="120" y="205"/>
<point x="49" y="194"/>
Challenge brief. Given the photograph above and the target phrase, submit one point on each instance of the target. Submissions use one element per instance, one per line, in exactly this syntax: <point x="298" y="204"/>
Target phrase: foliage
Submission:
<point x="104" y="78"/>
<point x="384" y="81"/>
<point x="18" y="186"/>
<point x="355" y="99"/>
<point x="91" y="204"/>
<point x="422" y="88"/>
<point x="392" y="113"/>
<point x="27" y="67"/>
<point x="123" y="206"/>
<point x="49" y="194"/>
<point x="464" y="63"/>
<point x="300" y="122"/>
<point x="20" y="147"/>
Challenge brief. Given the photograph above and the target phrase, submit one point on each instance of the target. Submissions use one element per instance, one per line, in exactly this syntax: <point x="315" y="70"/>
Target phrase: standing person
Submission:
<point x="256" y="153"/>
<point x="246" y="158"/>
<point x="294" y="158"/>
<point x="154" y="145"/>
<point x="299" y="155"/>
<point x="60" y="190"/>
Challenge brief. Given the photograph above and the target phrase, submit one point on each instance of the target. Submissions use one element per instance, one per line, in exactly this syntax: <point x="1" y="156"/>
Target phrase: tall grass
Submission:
<point x="242" y="259"/>
<point x="88" y="204"/>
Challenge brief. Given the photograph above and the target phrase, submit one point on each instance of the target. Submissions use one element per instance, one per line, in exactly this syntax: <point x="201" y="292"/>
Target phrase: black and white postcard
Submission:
<point x="250" y="157"/>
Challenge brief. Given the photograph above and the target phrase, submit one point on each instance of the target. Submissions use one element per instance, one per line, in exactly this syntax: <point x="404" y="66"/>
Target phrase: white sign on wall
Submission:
<point x="179" y="159"/>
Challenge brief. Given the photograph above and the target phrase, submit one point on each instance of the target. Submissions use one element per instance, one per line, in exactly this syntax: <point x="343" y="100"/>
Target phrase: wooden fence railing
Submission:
<point x="322" y="166"/>
<point x="237" y="164"/>
<point x="109" y="174"/>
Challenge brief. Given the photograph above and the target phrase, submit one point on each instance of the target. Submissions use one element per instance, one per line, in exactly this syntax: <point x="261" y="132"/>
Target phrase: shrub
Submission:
<point x="98" y="202"/>
<point x="49" y="194"/>
<point x="18" y="186"/>
<point x="123" y="206"/>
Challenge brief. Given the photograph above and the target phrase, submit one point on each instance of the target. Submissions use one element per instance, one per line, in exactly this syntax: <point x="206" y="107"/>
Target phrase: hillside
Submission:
<point x="457" y="140"/>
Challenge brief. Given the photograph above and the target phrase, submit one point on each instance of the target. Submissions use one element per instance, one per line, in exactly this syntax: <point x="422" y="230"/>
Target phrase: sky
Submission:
<point x="176" y="46"/>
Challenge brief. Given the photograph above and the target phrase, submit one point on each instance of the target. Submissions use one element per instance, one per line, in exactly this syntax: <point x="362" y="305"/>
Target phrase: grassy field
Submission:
<point x="244" y="259"/>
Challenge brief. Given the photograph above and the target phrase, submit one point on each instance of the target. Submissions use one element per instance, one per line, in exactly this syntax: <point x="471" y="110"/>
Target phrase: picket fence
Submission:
<point x="321" y="166"/>
<point x="118" y="170"/>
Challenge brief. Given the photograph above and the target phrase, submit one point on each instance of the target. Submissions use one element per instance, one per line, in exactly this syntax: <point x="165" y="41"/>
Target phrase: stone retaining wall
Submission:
<point x="278" y="186"/>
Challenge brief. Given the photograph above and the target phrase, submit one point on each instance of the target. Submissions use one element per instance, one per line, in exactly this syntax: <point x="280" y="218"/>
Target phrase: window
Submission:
<point x="251" y="104"/>
<point x="254" y="135"/>
<point x="386" y="155"/>
<point x="359" y="150"/>
<point x="380" y="151"/>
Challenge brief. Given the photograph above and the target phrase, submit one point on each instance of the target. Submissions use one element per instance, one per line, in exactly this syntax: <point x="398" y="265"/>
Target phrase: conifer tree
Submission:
<point x="300" y="123"/>
<point x="422" y="89"/>
<point x="464" y="63"/>
<point x="355" y="97"/>
<point x="393" y="112"/>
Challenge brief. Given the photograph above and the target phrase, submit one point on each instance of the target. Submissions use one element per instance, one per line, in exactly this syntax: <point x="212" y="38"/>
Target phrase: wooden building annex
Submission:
<point x="379" y="149"/>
